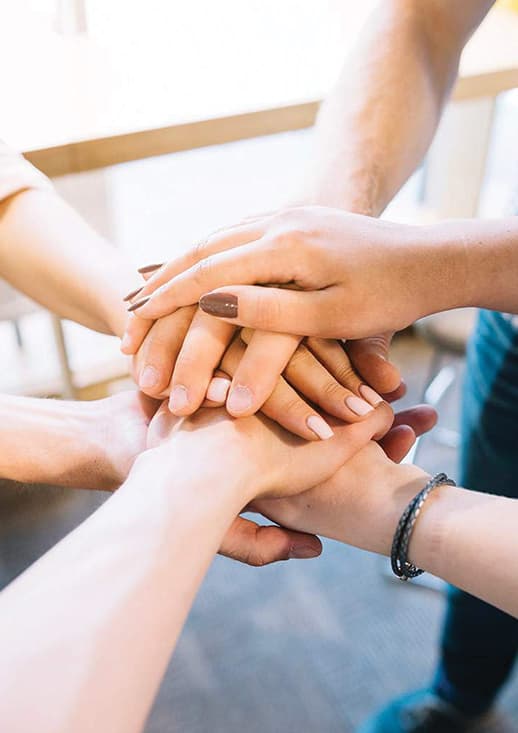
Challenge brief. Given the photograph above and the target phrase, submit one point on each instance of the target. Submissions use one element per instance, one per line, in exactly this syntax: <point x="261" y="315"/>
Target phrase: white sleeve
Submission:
<point x="17" y="174"/>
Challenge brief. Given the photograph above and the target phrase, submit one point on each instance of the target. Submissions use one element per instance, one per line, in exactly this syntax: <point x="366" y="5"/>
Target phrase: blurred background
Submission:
<point x="159" y="122"/>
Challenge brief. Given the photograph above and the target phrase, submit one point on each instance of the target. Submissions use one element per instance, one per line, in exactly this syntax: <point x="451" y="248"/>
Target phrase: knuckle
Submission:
<point x="199" y="250"/>
<point x="332" y="389"/>
<point x="202" y="270"/>
<point x="293" y="405"/>
<point x="346" y="375"/>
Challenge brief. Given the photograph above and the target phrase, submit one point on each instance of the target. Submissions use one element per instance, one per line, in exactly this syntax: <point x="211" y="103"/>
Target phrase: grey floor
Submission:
<point x="300" y="647"/>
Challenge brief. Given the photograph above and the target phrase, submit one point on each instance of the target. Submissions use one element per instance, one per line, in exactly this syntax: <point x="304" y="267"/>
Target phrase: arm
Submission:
<point x="377" y="123"/>
<point x="467" y="538"/>
<point x="48" y="252"/>
<point x="72" y="444"/>
<point x="112" y="597"/>
<point x="111" y="600"/>
<point x="372" y="132"/>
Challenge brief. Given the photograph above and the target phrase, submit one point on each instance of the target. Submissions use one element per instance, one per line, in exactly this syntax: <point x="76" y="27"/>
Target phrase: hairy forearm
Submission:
<point x="377" y="123"/>
<point x="48" y="252"/>
<point x="91" y="626"/>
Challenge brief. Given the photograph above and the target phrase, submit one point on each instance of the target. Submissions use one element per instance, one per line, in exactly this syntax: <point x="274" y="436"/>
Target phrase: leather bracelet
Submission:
<point x="401" y="566"/>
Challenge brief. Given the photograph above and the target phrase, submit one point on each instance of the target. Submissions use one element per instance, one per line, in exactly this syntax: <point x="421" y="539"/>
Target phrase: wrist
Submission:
<point x="441" y="268"/>
<point x="181" y="478"/>
<point x="402" y="483"/>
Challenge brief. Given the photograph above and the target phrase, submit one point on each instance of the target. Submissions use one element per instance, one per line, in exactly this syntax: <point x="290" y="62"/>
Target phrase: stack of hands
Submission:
<point x="333" y="393"/>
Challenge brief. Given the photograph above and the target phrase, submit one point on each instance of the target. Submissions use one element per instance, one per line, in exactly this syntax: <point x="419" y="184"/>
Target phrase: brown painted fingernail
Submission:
<point x="149" y="268"/>
<point x="131" y="295"/>
<point x="219" y="304"/>
<point x="138" y="304"/>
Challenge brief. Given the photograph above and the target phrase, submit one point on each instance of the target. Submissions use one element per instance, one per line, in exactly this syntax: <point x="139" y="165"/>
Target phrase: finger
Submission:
<point x="284" y="405"/>
<point x="397" y="394"/>
<point x="259" y="262"/>
<point x="421" y="418"/>
<point x="322" y="459"/>
<point x="397" y="442"/>
<point x="258" y="372"/>
<point x="258" y="545"/>
<point x="155" y="360"/>
<point x="332" y="355"/>
<point x="370" y="359"/>
<point x="217" y="390"/>
<point x="314" y="381"/>
<point x="408" y="424"/>
<point x="219" y="241"/>
<point x="203" y="346"/>
<point x="135" y="333"/>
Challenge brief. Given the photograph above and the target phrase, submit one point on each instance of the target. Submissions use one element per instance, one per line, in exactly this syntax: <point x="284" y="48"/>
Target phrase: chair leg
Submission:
<point x="69" y="390"/>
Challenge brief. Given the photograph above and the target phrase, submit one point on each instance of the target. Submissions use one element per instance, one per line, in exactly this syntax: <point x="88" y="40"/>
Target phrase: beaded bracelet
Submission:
<point x="401" y="566"/>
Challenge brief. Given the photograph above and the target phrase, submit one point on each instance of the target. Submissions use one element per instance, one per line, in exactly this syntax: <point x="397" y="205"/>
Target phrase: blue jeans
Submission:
<point x="479" y="642"/>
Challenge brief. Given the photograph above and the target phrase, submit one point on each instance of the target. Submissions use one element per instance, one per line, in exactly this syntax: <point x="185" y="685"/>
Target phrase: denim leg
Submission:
<point x="479" y="642"/>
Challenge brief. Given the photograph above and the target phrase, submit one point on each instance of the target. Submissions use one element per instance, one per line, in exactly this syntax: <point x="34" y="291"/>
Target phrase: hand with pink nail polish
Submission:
<point x="289" y="381"/>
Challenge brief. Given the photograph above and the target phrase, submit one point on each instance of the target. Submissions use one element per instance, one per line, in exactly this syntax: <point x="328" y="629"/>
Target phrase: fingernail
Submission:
<point x="218" y="389"/>
<point x="370" y="395"/>
<point x="179" y="398"/>
<point x="148" y="378"/>
<point x="303" y="552"/>
<point x="219" y="304"/>
<point x="358" y="406"/>
<point x="240" y="399"/>
<point x="149" y="268"/>
<point x="131" y="295"/>
<point x="319" y="426"/>
<point x="138" y="304"/>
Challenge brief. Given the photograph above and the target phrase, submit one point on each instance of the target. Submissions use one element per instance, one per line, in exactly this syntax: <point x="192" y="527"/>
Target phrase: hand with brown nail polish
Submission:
<point x="329" y="274"/>
<point x="176" y="356"/>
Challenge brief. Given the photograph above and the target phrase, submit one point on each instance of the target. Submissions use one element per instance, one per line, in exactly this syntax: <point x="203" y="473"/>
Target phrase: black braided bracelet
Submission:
<point x="401" y="566"/>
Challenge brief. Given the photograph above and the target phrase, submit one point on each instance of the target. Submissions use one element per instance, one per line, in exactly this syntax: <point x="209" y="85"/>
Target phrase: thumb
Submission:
<point x="303" y="313"/>
<point x="369" y="357"/>
<point x="260" y="545"/>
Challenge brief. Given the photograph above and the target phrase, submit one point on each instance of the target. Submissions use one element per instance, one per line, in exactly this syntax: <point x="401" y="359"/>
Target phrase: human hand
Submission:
<point x="179" y="353"/>
<point x="114" y="434"/>
<point x="258" y="453"/>
<point x="362" y="502"/>
<point x="245" y="540"/>
<point x="355" y="276"/>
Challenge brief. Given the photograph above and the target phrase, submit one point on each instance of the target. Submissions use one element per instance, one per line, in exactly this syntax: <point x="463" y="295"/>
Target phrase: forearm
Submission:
<point x="53" y="442"/>
<point x="48" y="252"/>
<point x="471" y="541"/>
<point x="463" y="263"/>
<point x="111" y="600"/>
<point x="377" y="123"/>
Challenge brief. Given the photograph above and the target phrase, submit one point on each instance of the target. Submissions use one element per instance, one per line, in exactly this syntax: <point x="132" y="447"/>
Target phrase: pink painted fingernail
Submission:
<point x="319" y="426"/>
<point x="179" y="398"/>
<point x="370" y="395"/>
<point x="149" y="378"/>
<point x="358" y="406"/>
<point x="240" y="399"/>
<point x="218" y="389"/>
